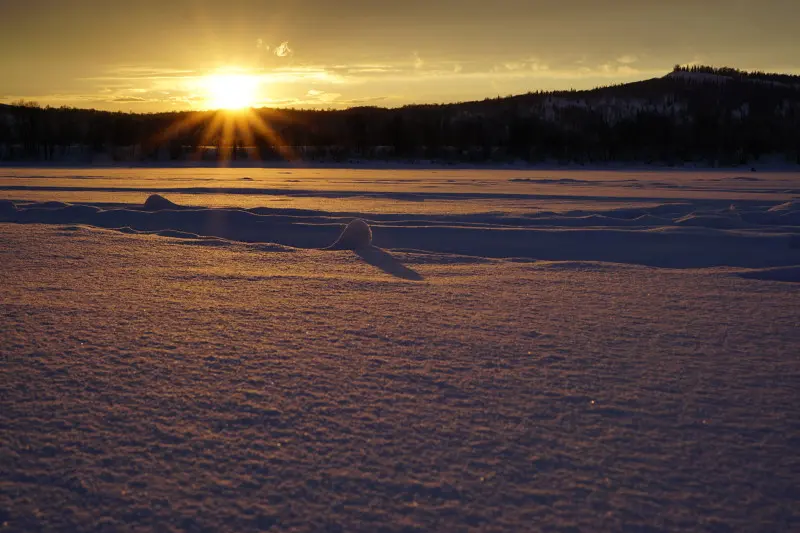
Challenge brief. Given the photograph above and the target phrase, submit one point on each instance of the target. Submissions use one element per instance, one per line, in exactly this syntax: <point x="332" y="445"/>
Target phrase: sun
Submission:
<point x="231" y="91"/>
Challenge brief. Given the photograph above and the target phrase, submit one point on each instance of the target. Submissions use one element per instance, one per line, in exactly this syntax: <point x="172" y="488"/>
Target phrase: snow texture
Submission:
<point x="528" y="366"/>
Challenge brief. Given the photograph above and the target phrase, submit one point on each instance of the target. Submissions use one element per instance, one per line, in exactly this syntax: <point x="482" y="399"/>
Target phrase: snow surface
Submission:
<point x="615" y="352"/>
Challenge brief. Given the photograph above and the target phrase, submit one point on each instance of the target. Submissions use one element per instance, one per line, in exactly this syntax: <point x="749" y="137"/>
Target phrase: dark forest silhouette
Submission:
<point x="717" y="116"/>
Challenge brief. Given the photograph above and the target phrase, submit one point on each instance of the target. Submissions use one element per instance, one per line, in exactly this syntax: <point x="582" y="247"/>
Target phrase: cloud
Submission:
<point x="627" y="71"/>
<point x="314" y="98"/>
<point x="318" y="96"/>
<point x="283" y="50"/>
<point x="150" y="73"/>
<point x="261" y="45"/>
<point x="522" y="68"/>
<point x="514" y="65"/>
<point x="367" y="68"/>
<point x="367" y="100"/>
<point x="173" y="97"/>
<point x="341" y="84"/>
<point x="300" y="74"/>
<point x="616" y="70"/>
<point x="514" y="69"/>
<point x="627" y="59"/>
<point x="364" y="70"/>
<point x="532" y="65"/>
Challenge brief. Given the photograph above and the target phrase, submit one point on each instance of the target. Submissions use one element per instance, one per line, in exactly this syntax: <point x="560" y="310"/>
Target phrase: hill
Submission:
<point x="716" y="116"/>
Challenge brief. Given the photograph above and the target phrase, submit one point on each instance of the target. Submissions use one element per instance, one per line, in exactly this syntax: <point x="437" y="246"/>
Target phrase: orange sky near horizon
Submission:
<point x="143" y="55"/>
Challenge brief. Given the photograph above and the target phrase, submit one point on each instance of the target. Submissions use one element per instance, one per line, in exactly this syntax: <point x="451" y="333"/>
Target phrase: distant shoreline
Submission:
<point x="407" y="165"/>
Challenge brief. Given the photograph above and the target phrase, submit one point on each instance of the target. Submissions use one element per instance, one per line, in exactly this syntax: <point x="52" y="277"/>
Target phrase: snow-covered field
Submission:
<point x="519" y="350"/>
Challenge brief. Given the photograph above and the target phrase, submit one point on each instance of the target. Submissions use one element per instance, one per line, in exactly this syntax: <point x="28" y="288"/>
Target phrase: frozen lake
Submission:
<point x="670" y="219"/>
<point x="516" y="350"/>
<point x="397" y="191"/>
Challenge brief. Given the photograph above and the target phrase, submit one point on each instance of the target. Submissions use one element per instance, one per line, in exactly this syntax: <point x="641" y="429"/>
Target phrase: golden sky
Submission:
<point x="157" y="55"/>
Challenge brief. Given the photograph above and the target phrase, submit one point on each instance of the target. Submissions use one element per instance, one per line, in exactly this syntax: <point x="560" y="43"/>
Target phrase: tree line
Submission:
<point x="732" y="117"/>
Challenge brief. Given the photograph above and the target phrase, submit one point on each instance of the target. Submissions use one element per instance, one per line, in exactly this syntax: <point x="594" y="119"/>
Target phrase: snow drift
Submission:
<point x="156" y="202"/>
<point x="785" y="274"/>
<point x="685" y="235"/>
<point x="355" y="235"/>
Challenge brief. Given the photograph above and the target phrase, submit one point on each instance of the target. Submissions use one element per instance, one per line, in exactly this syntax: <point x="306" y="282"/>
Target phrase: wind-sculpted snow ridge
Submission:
<point x="789" y="274"/>
<point x="792" y="206"/>
<point x="677" y="235"/>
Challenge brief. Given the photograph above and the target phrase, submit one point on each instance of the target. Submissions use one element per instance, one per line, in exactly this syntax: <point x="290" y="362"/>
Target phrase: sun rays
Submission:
<point x="229" y="131"/>
<point x="232" y="124"/>
<point x="232" y="91"/>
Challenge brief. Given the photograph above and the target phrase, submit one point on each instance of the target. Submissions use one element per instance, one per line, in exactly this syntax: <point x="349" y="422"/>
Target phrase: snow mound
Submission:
<point x="709" y="221"/>
<point x="789" y="274"/>
<point x="156" y="202"/>
<point x="791" y="205"/>
<point x="77" y="210"/>
<point x="175" y="234"/>
<point x="357" y="234"/>
<point x="703" y="236"/>
<point x="50" y="205"/>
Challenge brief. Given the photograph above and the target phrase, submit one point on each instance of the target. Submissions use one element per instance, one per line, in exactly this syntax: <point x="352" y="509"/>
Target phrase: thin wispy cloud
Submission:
<point x="614" y="71"/>
<point x="317" y="96"/>
<point x="514" y="65"/>
<point x="143" y="72"/>
<point x="369" y="45"/>
<point x="129" y="99"/>
<point x="296" y="83"/>
<point x="368" y="70"/>
<point x="578" y="71"/>
<point x="368" y="100"/>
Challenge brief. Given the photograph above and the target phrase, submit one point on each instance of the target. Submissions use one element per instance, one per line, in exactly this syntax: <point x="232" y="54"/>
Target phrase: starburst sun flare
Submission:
<point x="231" y="91"/>
<point x="231" y="119"/>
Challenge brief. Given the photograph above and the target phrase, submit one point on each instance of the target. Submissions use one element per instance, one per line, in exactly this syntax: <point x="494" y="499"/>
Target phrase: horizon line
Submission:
<point x="32" y="103"/>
